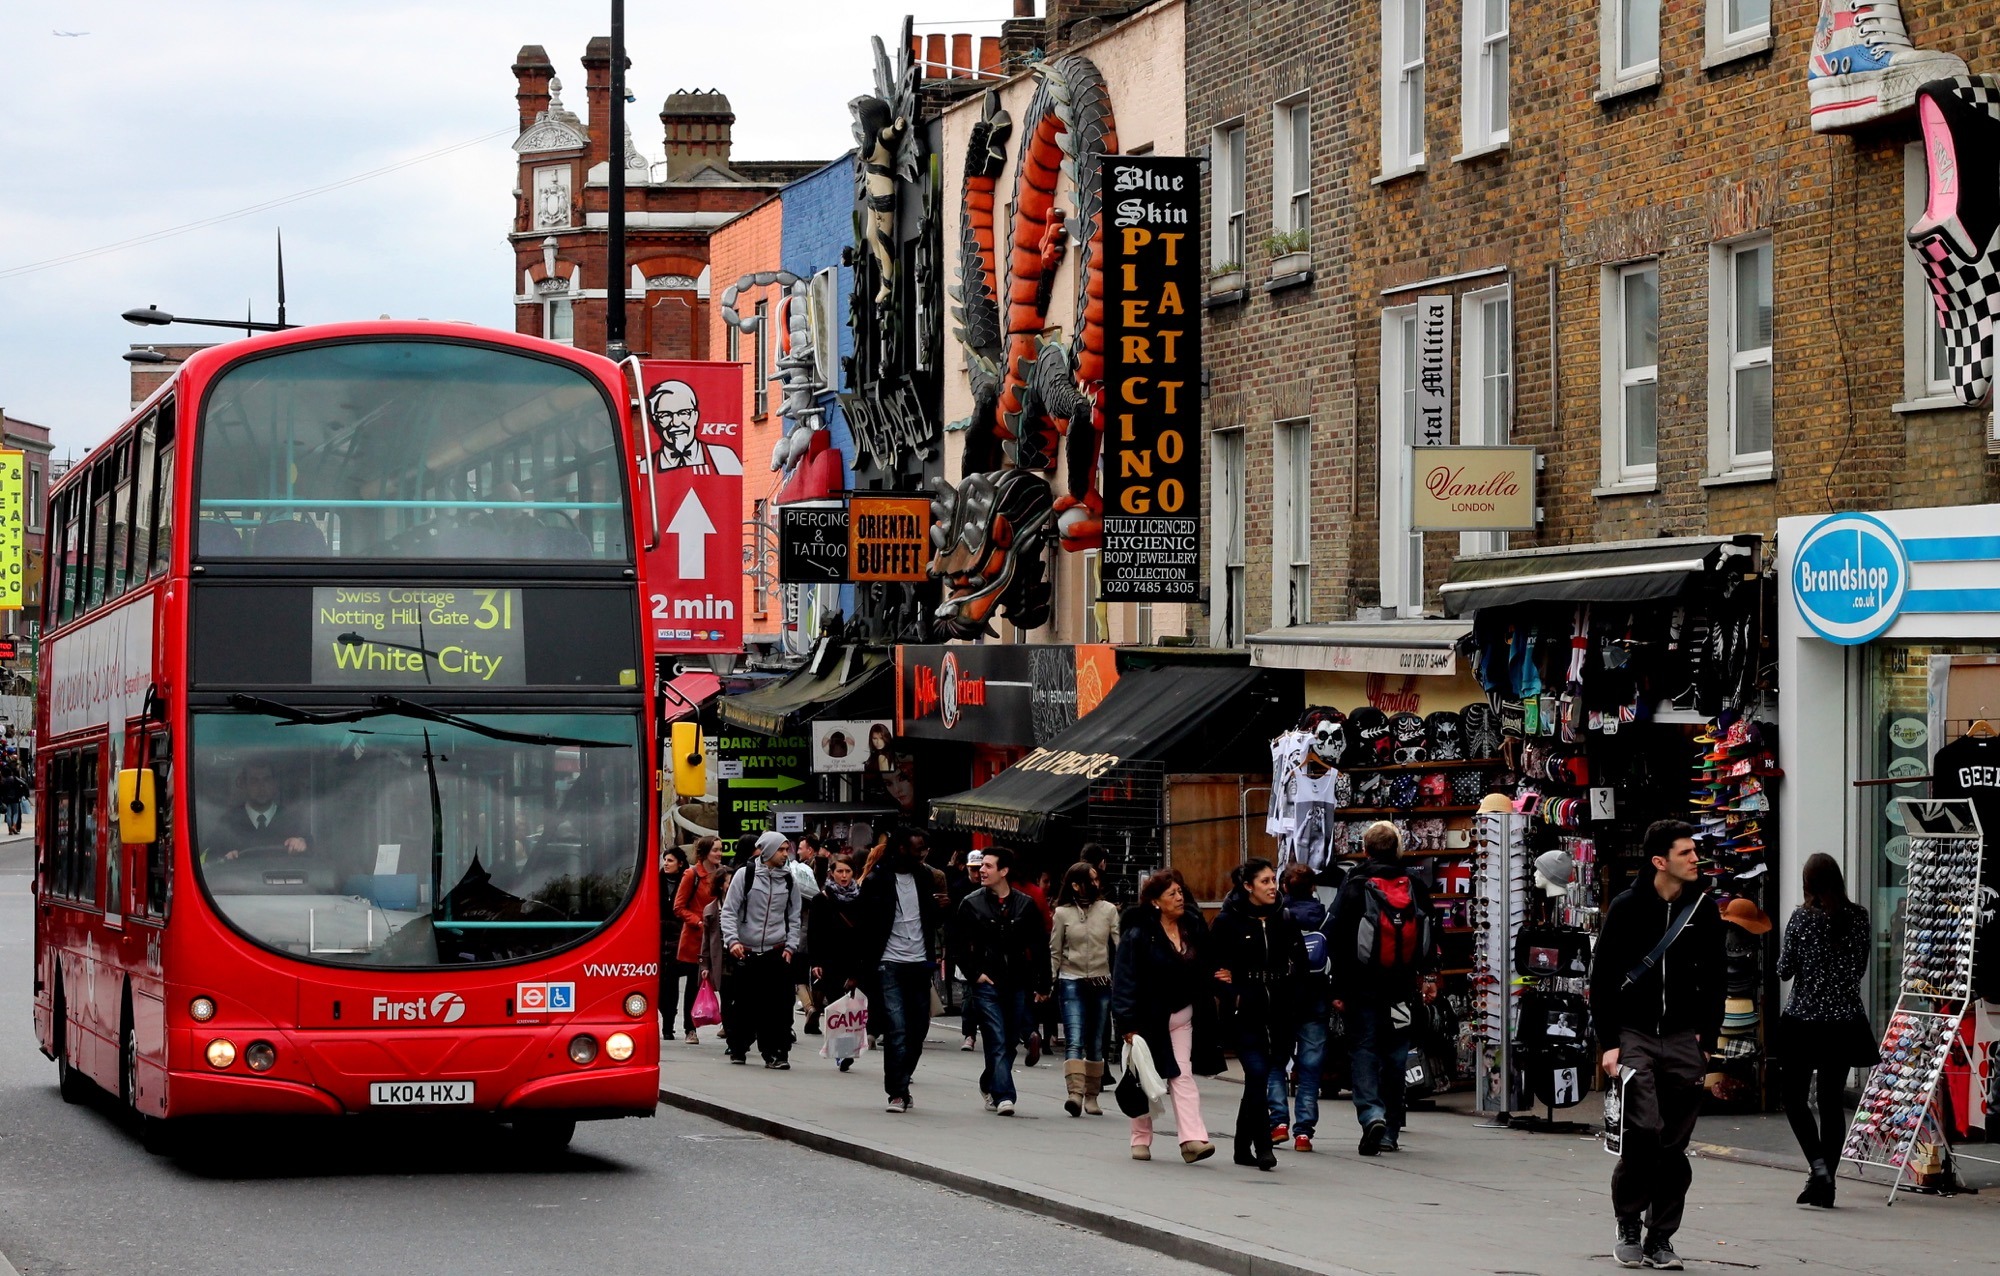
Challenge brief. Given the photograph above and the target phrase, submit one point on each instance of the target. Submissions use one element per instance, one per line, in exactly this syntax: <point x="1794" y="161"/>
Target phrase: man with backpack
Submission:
<point x="762" y="930"/>
<point x="1004" y="951"/>
<point x="1301" y="902"/>
<point x="1657" y="984"/>
<point x="1385" y="956"/>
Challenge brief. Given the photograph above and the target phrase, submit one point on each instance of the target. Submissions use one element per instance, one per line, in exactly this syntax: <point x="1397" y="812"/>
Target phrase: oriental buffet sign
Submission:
<point x="1472" y="489"/>
<point x="417" y="636"/>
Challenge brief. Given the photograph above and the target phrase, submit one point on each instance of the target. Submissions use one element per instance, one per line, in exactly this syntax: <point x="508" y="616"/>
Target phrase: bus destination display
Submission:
<point x="417" y="636"/>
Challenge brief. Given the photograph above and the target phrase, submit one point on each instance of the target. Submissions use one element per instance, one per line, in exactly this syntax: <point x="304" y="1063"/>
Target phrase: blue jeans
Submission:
<point x="906" y="1018"/>
<point x="1309" y="1057"/>
<point x="1381" y="1054"/>
<point x="1001" y="1012"/>
<point x="1084" y="1009"/>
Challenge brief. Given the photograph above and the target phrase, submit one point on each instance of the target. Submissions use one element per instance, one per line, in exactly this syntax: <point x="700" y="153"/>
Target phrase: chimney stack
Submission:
<point x="697" y="128"/>
<point x="597" y="99"/>
<point x="532" y="72"/>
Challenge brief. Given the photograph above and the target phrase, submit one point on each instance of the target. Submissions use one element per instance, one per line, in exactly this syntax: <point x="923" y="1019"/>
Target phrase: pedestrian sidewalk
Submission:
<point x="1497" y="1199"/>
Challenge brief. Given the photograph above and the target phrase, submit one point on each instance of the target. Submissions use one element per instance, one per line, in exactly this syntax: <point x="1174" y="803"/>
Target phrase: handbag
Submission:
<point x="707" y="1006"/>
<point x="1130" y="1094"/>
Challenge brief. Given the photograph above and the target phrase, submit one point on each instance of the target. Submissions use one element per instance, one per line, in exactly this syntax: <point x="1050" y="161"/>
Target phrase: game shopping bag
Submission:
<point x="844" y="1025"/>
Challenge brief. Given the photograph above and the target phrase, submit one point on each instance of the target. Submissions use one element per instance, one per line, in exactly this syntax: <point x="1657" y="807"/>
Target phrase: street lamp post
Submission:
<point x="153" y="316"/>
<point x="614" y="287"/>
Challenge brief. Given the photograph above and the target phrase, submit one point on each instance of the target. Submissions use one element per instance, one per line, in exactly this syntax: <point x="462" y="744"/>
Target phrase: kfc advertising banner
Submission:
<point x="690" y="503"/>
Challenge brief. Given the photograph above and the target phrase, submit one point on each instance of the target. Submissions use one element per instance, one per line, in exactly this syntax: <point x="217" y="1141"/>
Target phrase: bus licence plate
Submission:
<point x="393" y="1094"/>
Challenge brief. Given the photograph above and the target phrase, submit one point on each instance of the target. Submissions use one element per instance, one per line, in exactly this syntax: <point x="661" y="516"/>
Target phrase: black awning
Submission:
<point x="1631" y="571"/>
<point x="1167" y="715"/>
<point x="851" y="682"/>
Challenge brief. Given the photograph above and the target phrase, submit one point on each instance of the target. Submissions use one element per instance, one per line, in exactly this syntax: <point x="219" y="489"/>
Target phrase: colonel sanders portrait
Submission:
<point x="676" y="413"/>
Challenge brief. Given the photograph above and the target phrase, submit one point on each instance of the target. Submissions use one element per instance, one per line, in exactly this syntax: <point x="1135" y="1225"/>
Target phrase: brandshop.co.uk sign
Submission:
<point x="1849" y="578"/>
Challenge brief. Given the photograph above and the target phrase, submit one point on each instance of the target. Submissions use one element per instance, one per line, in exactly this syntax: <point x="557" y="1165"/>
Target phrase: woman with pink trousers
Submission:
<point x="1163" y="993"/>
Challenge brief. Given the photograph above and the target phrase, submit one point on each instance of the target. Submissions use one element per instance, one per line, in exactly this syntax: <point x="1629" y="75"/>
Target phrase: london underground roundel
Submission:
<point x="1849" y="578"/>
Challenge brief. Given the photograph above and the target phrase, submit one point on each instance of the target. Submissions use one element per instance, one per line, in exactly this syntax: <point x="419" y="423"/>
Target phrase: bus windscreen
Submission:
<point x="409" y="450"/>
<point x="418" y="838"/>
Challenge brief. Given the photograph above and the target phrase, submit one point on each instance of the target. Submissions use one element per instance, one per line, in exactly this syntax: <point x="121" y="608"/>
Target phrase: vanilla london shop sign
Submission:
<point x="1472" y="489"/>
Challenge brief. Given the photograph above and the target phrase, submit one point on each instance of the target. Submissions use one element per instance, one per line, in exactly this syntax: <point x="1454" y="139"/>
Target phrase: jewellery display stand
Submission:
<point x="1500" y="858"/>
<point x="1903" y="1101"/>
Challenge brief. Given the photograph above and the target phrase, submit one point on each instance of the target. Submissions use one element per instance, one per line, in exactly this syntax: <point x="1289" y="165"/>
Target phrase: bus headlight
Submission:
<point x="259" y="1056"/>
<point x="582" y="1050"/>
<point x="619" y="1046"/>
<point x="635" y="1005"/>
<point x="202" y="1008"/>
<point x="221" y="1053"/>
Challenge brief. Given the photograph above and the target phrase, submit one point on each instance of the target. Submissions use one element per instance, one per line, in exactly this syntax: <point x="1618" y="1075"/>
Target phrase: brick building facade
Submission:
<point x="561" y="210"/>
<point x="1549" y="192"/>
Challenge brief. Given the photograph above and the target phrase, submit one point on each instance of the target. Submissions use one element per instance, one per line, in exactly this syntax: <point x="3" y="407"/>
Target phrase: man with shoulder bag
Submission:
<point x="1657" y="985"/>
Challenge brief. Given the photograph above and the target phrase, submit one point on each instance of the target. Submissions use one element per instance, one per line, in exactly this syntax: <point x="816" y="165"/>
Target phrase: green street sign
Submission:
<point x="757" y="768"/>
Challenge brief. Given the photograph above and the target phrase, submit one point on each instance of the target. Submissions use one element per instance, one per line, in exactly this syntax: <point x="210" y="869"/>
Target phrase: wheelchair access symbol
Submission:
<point x="545" y="999"/>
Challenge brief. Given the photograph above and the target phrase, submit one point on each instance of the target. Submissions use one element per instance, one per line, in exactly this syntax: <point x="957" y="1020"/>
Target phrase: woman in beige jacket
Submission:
<point x="1080" y="940"/>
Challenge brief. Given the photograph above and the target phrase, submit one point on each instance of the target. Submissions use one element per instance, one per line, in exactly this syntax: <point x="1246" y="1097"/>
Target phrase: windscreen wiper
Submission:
<point x="411" y="709"/>
<point x="294" y="716"/>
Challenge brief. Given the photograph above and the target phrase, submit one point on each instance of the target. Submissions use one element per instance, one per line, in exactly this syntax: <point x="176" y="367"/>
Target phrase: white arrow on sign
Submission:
<point x="691" y="524"/>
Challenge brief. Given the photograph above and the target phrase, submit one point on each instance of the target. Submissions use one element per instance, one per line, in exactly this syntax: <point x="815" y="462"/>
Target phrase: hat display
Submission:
<point x="1482" y="730"/>
<point x="1445" y="734"/>
<point x="1556" y="868"/>
<point x="1369" y="743"/>
<point x="1741" y="912"/>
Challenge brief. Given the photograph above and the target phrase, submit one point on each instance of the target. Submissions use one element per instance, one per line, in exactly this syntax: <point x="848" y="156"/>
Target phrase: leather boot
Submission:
<point x="1093" y="1085"/>
<point x="1073" y="1081"/>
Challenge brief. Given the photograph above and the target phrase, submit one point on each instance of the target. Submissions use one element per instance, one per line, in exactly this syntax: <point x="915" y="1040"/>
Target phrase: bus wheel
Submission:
<point x="162" y="1136"/>
<point x="544" y="1135"/>
<point x="74" y="1086"/>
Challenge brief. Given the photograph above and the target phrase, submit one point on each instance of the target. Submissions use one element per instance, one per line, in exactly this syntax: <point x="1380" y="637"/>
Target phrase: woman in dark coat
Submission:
<point x="1260" y="959"/>
<point x="836" y="925"/>
<point x="673" y="863"/>
<point x="1163" y="992"/>
<point x="1824" y="1030"/>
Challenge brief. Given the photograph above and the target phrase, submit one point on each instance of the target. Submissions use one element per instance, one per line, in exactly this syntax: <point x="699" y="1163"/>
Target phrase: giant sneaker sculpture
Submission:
<point x="1863" y="66"/>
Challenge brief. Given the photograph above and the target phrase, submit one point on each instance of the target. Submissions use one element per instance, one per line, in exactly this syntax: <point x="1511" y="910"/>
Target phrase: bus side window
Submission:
<point x="121" y="520"/>
<point x="71" y="549"/>
<point x="62" y="864"/>
<point x="159" y="853"/>
<point x="142" y="501"/>
<point x="163" y="504"/>
<point x="88" y="803"/>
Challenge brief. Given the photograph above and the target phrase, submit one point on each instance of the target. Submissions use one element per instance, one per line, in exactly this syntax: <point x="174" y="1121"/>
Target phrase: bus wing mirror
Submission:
<point x="690" y="764"/>
<point x="138" y="820"/>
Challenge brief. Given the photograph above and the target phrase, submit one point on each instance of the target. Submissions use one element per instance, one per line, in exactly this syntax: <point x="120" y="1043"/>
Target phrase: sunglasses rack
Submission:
<point x="1499" y="866"/>
<point x="1902" y="1104"/>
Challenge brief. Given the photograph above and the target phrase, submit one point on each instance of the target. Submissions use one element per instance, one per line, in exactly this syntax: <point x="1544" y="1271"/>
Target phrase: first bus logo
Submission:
<point x="446" y="1007"/>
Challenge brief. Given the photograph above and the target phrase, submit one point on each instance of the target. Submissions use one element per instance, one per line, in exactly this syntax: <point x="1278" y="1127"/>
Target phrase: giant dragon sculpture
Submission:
<point x="1036" y="398"/>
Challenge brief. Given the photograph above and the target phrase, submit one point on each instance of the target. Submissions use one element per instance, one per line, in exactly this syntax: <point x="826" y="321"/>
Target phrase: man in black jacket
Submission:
<point x="1385" y="955"/>
<point x="1004" y="950"/>
<point x="900" y="910"/>
<point x="1656" y="991"/>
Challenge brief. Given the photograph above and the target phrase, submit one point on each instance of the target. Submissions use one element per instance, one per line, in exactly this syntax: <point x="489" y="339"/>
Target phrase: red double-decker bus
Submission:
<point x="343" y="780"/>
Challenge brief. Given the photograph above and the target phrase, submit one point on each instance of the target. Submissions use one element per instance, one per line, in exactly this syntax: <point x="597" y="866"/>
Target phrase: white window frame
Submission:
<point x="1723" y="44"/>
<point x="1229" y="215"/>
<point x="1402" y="89"/>
<point x="1613" y="75"/>
<point x="760" y="384"/>
<point x="1291" y="174"/>
<point x="1725" y="360"/>
<point x="1926" y="382"/>
<point x="550" y="304"/>
<point x="1485" y="55"/>
<point x="1229" y="583"/>
<point x="1481" y="314"/>
<point x="1618" y="470"/>
<point x="1291" y="522"/>
<point x="1401" y="565"/>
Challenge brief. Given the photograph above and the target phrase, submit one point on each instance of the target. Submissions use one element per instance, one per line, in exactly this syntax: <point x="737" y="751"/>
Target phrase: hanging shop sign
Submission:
<point x="813" y="543"/>
<point x="1850" y="578"/>
<point x="691" y="476"/>
<point x="1472" y="489"/>
<point x="888" y="538"/>
<point x="1152" y="378"/>
<point x="848" y="745"/>
<point x="13" y="531"/>
<point x="1433" y="372"/>
<point x="757" y="771"/>
<point x="1004" y="695"/>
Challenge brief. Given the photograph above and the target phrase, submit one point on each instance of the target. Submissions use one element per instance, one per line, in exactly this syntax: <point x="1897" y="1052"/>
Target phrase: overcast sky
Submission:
<point x="167" y="114"/>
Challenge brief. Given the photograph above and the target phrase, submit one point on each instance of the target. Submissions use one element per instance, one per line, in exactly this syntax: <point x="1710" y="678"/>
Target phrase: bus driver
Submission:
<point x="261" y="818"/>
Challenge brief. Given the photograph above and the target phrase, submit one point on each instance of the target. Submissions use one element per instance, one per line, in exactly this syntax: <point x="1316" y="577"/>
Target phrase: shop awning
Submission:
<point x="848" y="682"/>
<point x="1617" y="572"/>
<point x="1363" y="646"/>
<point x="686" y="693"/>
<point x="1150" y="715"/>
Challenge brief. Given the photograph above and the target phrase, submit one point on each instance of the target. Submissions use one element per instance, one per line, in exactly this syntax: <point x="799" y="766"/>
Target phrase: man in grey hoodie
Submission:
<point x="762" y="930"/>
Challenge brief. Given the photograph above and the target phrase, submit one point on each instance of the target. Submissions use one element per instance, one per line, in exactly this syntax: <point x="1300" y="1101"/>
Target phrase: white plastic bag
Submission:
<point x="844" y="1025"/>
<point x="1139" y="1060"/>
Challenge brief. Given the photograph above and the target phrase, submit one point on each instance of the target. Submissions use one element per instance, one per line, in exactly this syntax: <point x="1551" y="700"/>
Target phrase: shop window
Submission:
<point x="1227" y="215"/>
<point x="1483" y="94"/>
<point x="1229" y="582"/>
<point x="1486" y="387"/>
<point x="1630" y="340"/>
<point x="1926" y="379"/>
<point x="1402" y="86"/>
<point x="761" y="386"/>
<point x="1291" y="522"/>
<point x="1291" y="165"/>
<point x="1402" y="550"/>
<point x="1739" y="400"/>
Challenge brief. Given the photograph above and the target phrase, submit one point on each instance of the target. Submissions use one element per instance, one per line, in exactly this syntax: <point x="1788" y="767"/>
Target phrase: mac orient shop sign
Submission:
<point x="977" y="694"/>
<point x="1472" y="489"/>
<point x="1152" y="377"/>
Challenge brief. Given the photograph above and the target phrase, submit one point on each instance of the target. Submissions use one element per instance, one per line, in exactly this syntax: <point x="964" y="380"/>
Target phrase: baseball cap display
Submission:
<point x="1446" y="734"/>
<point x="1482" y="730"/>
<point x="1368" y="737"/>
